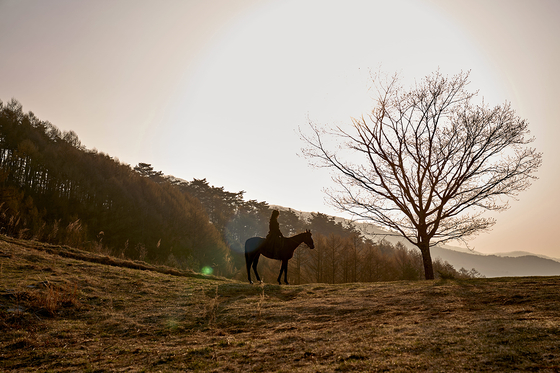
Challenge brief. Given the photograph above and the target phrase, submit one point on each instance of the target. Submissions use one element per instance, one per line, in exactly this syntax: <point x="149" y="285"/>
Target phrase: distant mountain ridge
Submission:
<point x="512" y="264"/>
<point x="495" y="265"/>
<point x="500" y="266"/>
<point x="515" y="254"/>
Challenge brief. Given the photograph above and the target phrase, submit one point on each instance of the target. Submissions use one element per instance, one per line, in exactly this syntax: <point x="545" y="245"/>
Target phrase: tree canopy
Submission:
<point x="427" y="162"/>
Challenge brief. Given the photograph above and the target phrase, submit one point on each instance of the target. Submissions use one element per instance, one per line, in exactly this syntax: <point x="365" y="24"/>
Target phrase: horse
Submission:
<point x="255" y="246"/>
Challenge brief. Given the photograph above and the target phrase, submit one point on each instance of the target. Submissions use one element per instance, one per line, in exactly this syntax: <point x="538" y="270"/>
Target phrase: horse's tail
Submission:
<point x="251" y="245"/>
<point x="248" y="260"/>
<point x="248" y="245"/>
<point x="247" y="250"/>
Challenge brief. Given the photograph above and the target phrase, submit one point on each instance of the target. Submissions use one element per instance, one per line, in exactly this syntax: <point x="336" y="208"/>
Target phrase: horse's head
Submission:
<point x="308" y="239"/>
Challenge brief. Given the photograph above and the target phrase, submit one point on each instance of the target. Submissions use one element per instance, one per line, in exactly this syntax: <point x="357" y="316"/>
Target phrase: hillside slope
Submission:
<point x="73" y="313"/>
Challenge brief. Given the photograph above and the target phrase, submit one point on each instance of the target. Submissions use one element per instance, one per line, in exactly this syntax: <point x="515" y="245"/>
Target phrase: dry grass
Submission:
<point x="66" y="314"/>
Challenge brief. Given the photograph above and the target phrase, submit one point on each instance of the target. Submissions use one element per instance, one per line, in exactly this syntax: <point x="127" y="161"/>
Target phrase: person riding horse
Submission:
<point x="274" y="238"/>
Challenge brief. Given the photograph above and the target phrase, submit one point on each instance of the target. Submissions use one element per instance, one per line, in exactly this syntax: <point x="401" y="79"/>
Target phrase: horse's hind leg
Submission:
<point x="248" y="264"/>
<point x="255" y="262"/>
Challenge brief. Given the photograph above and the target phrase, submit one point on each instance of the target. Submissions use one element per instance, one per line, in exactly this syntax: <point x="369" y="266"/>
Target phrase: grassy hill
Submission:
<point x="66" y="310"/>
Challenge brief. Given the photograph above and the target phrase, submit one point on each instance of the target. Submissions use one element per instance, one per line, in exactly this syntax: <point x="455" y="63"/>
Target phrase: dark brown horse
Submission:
<point x="255" y="246"/>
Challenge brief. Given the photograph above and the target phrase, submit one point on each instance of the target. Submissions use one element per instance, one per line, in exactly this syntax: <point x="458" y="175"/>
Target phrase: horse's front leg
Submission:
<point x="284" y="269"/>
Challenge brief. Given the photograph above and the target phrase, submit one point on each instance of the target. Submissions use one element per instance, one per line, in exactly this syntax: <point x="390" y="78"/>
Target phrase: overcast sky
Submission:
<point x="217" y="89"/>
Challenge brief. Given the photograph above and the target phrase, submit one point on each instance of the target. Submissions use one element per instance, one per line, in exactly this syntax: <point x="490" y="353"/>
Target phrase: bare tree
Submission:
<point x="426" y="163"/>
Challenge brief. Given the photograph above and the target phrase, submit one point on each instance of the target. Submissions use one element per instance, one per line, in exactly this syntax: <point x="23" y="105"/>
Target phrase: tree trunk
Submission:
<point x="427" y="259"/>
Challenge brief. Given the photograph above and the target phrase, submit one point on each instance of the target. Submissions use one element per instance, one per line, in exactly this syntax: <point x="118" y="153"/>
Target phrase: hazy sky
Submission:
<point x="217" y="89"/>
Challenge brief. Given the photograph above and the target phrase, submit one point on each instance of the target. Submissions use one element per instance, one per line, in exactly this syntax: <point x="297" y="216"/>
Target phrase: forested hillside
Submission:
<point x="53" y="189"/>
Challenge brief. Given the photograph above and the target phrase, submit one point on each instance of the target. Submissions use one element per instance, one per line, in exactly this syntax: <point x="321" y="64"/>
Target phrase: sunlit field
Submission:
<point x="66" y="310"/>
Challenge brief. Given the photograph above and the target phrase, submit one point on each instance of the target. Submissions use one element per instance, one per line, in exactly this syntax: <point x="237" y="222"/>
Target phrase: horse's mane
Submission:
<point x="298" y="235"/>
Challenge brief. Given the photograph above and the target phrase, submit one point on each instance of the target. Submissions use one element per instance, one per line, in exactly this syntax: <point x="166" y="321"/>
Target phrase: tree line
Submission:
<point x="53" y="189"/>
